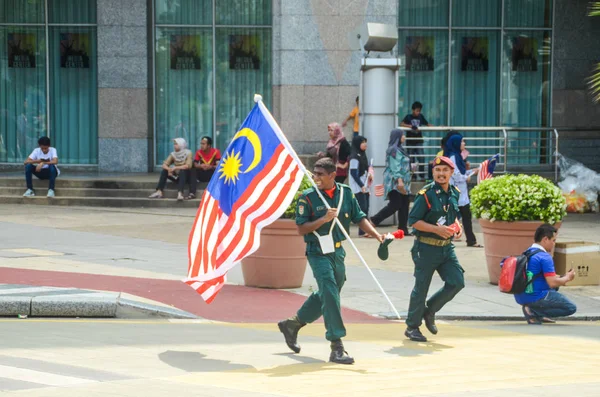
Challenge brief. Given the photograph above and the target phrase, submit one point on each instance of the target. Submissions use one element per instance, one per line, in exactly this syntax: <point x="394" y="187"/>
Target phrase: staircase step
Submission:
<point x="88" y="183"/>
<point x="116" y="202"/>
<point x="88" y="192"/>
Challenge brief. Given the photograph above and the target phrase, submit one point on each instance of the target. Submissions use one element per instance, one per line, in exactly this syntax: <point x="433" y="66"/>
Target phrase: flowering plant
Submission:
<point x="518" y="198"/>
<point x="290" y="212"/>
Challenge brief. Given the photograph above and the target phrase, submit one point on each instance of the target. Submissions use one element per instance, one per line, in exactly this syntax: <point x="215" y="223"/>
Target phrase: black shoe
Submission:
<point x="338" y="354"/>
<point x="429" y="319"/>
<point x="289" y="328"/>
<point x="415" y="335"/>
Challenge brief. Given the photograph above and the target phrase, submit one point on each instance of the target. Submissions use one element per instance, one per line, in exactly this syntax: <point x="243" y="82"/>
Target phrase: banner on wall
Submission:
<point x="524" y="54"/>
<point x="243" y="52"/>
<point x="75" y="50"/>
<point x="419" y="52"/>
<point x="21" y="50"/>
<point x="475" y="54"/>
<point x="185" y="52"/>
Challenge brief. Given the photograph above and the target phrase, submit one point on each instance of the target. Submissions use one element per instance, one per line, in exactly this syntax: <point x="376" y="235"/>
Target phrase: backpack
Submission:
<point x="513" y="273"/>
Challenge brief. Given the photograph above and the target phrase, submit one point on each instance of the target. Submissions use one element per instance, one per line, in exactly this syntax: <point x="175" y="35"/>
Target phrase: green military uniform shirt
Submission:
<point x="310" y="208"/>
<point x="433" y="203"/>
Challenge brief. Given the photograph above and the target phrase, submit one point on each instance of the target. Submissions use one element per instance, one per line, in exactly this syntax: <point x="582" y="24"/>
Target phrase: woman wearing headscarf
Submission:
<point x="339" y="150"/>
<point x="396" y="181"/>
<point x="359" y="174"/>
<point x="455" y="145"/>
<point x="176" y="168"/>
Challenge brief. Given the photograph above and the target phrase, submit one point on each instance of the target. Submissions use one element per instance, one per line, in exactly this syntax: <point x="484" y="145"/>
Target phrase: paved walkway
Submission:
<point x="143" y="252"/>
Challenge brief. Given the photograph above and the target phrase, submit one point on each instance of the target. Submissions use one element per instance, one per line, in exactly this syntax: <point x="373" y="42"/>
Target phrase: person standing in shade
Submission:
<point x="359" y="175"/>
<point x="433" y="218"/>
<point x="205" y="163"/>
<point x="455" y="145"/>
<point x="42" y="163"/>
<point x="414" y="121"/>
<point x="354" y="114"/>
<point x="396" y="181"/>
<point x="325" y="256"/>
<point x="338" y="149"/>
<point x="176" y="167"/>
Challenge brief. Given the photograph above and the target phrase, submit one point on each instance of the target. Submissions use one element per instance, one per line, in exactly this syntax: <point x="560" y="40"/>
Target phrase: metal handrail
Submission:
<point x="502" y="140"/>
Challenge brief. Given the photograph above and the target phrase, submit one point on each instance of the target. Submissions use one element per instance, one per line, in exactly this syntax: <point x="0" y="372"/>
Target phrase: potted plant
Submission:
<point x="510" y="208"/>
<point x="280" y="261"/>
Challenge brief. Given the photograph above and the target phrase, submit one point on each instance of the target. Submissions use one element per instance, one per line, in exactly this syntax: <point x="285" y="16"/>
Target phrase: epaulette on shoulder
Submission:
<point x="425" y="188"/>
<point x="308" y="191"/>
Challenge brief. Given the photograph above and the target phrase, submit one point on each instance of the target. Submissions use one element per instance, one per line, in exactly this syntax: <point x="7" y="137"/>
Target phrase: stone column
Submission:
<point x="315" y="73"/>
<point x="124" y="107"/>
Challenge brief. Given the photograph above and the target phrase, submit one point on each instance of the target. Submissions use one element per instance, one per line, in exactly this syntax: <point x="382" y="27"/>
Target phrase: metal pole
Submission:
<point x="555" y="155"/>
<point x="505" y="150"/>
<point x="288" y="146"/>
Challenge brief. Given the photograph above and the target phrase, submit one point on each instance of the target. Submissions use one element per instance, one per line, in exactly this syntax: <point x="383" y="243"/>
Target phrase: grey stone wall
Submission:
<point x="123" y="86"/>
<point x="576" y="51"/>
<point x="315" y="73"/>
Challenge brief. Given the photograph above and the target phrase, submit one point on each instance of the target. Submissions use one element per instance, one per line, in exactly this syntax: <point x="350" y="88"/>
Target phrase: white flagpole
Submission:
<point x="288" y="146"/>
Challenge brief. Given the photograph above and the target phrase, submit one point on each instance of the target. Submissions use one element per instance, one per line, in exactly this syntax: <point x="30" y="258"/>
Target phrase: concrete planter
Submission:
<point x="280" y="261"/>
<point x="502" y="239"/>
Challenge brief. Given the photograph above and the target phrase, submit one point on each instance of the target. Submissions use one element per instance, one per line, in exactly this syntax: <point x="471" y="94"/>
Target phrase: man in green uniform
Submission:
<point x="326" y="256"/>
<point x="434" y="219"/>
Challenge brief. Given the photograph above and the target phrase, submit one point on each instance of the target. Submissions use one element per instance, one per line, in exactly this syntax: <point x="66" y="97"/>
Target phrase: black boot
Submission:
<point x="289" y="328"/>
<point x="429" y="319"/>
<point x="415" y="335"/>
<point x="338" y="354"/>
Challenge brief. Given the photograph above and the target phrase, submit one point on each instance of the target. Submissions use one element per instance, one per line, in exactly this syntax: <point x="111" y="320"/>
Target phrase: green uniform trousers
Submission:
<point x="330" y="272"/>
<point x="428" y="259"/>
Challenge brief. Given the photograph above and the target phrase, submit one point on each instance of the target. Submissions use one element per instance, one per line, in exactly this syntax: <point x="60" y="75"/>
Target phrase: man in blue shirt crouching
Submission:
<point x="541" y="302"/>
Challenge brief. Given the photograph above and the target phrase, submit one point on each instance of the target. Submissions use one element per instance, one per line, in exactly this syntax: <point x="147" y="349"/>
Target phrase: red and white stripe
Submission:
<point x="483" y="173"/>
<point x="379" y="190"/>
<point x="217" y="242"/>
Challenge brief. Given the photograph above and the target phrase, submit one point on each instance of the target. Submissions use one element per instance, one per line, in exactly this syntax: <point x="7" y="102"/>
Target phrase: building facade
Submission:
<point x="112" y="82"/>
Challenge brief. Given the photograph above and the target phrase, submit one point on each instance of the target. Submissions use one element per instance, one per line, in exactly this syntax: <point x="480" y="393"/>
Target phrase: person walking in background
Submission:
<point x="396" y="180"/>
<point x="42" y="163"/>
<point x="455" y="146"/>
<point x="338" y="149"/>
<point x="205" y="163"/>
<point x="414" y="121"/>
<point x="541" y="301"/>
<point x="359" y="175"/>
<point x="354" y="114"/>
<point x="176" y="167"/>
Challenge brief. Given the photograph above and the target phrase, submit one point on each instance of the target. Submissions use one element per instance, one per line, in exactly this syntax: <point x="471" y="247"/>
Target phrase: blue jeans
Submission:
<point x="554" y="304"/>
<point x="46" y="173"/>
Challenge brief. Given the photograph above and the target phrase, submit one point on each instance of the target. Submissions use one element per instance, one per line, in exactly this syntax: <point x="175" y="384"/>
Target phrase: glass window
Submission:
<point x="74" y="94"/>
<point x="243" y="69"/>
<point x="72" y="11"/>
<point x="528" y="13"/>
<point x="23" y="91"/>
<point x="19" y="11"/>
<point x="183" y="87"/>
<point x="526" y="90"/>
<point x="423" y="13"/>
<point x="184" y="12"/>
<point x="243" y="12"/>
<point x="476" y="13"/>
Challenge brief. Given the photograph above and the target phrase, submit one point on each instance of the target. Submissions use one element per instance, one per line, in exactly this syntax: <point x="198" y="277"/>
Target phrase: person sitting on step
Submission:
<point x="176" y="168"/>
<point x="205" y="163"/>
<point x="42" y="163"/>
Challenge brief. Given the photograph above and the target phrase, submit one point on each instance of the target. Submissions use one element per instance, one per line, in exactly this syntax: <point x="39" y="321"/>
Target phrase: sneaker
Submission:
<point x="156" y="194"/>
<point x="180" y="196"/>
<point x="415" y="335"/>
<point x="50" y="193"/>
<point x="29" y="193"/>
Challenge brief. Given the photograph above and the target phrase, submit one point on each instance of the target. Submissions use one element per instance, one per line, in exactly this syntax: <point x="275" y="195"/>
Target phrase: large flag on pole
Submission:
<point x="253" y="185"/>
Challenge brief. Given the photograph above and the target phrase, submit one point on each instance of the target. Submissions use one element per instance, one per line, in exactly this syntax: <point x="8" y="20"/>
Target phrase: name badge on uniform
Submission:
<point x="441" y="221"/>
<point x="320" y="208"/>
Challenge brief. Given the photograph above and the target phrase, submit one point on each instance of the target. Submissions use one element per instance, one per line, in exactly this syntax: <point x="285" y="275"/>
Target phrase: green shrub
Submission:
<point x="518" y="198"/>
<point x="290" y="212"/>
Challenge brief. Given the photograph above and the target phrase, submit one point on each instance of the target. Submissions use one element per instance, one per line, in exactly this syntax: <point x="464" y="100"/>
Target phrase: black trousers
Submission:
<point x="181" y="180"/>
<point x="363" y="203"/>
<point x="197" y="174"/>
<point x="465" y="213"/>
<point x="396" y="202"/>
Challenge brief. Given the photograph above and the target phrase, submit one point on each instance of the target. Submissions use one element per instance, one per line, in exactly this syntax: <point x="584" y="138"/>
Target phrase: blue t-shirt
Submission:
<point x="541" y="262"/>
<point x="415" y="122"/>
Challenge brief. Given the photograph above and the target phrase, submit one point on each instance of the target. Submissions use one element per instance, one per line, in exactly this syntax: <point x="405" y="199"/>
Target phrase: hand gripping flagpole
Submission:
<point x="288" y="146"/>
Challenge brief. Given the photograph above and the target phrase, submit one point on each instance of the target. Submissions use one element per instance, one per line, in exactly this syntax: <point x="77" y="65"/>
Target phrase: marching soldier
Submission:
<point x="434" y="219"/>
<point x="326" y="256"/>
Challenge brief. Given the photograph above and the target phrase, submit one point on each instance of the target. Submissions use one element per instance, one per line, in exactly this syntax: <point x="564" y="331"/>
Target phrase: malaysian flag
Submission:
<point x="379" y="190"/>
<point x="253" y="185"/>
<point x="486" y="169"/>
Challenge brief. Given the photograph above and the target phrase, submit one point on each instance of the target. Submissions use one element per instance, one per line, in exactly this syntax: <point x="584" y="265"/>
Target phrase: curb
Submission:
<point x="71" y="302"/>
<point x="393" y="317"/>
